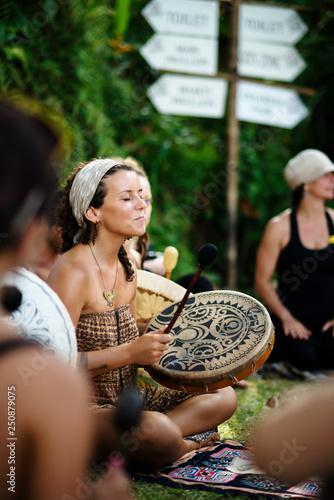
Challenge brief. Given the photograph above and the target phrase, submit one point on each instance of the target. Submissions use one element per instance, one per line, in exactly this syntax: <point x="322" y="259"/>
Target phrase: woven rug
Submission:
<point x="228" y="467"/>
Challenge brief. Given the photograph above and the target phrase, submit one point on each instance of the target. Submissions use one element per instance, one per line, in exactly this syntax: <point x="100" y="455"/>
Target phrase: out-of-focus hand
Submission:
<point x="295" y="328"/>
<point x="329" y="324"/>
<point x="114" y="483"/>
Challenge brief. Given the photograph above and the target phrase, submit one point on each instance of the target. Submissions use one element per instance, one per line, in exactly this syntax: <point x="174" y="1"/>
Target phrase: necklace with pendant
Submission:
<point x="110" y="297"/>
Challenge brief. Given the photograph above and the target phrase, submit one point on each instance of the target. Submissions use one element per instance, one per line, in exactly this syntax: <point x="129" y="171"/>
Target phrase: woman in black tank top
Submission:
<point x="298" y="245"/>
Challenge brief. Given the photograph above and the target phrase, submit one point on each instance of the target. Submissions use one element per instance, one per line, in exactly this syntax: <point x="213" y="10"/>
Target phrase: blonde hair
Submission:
<point x="135" y="164"/>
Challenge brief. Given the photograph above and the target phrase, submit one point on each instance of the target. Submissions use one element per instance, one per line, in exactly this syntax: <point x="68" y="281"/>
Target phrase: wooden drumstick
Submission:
<point x="206" y="255"/>
<point x="170" y="260"/>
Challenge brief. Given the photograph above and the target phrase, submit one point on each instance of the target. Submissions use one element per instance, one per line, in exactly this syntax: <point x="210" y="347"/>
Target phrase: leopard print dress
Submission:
<point x="107" y="329"/>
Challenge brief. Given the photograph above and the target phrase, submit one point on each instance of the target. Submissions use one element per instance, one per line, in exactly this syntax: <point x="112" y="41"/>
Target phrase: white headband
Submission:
<point x="83" y="189"/>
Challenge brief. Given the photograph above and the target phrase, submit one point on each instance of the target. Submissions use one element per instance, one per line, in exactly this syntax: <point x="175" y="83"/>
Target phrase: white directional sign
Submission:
<point x="279" y="25"/>
<point x="189" y="95"/>
<point x="273" y="62"/>
<point x="199" y="18"/>
<point x="180" y="53"/>
<point x="279" y="107"/>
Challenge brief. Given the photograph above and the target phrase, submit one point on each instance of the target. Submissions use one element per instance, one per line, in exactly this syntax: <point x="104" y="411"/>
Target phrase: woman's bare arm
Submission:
<point x="70" y="283"/>
<point x="275" y="237"/>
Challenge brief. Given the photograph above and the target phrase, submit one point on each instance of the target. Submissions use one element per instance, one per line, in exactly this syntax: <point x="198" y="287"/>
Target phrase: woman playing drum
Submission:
<point x="102" y="206"/>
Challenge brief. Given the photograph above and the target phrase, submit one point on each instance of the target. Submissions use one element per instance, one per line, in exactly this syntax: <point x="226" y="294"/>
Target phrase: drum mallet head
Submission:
<point x="206" y="255"/>
<point x="170" y="260"/>
<point x="11" y="298"/>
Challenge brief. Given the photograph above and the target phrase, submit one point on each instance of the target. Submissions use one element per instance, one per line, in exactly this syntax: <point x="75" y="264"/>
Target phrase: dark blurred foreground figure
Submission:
<point x="297" y="441"/>
<point x="47" y="434"/>
<point x="298" y="245"/>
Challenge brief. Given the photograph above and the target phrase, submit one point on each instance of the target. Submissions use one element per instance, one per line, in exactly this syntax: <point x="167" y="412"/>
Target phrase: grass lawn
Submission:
<point x="252" y="405"/>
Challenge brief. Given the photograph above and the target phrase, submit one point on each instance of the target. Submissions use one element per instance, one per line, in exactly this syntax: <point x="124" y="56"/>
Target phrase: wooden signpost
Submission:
<point x="262" y="47"/>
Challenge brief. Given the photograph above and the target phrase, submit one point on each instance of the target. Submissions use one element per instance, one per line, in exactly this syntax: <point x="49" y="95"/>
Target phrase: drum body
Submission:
<point x="42" y="317"/>
<point x="219" y="338"/>
<point x="154" y="293"/>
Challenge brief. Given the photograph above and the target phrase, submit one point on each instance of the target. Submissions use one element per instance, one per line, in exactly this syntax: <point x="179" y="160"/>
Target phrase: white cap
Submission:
<point x="307" y="166"/>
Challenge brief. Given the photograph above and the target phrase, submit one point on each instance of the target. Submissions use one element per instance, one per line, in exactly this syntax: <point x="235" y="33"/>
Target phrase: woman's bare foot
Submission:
<point x="209" y="441"/>
<point x="242" y="383"/>
<point x="193" y="444"/>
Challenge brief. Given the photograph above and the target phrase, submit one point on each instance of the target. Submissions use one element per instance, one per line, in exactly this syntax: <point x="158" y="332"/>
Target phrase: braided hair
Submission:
<point x="69" y="226"/>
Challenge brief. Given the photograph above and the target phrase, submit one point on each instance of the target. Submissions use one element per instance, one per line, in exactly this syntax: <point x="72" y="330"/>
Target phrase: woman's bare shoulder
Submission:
<point x="280" y="222"/>
<point x="71" y="265"/>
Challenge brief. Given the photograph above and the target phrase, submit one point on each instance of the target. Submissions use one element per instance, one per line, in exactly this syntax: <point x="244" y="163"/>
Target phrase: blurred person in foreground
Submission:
<point x="298" y="244"/>
<point x="47" y="434"/>
<point x="297" y="442"/>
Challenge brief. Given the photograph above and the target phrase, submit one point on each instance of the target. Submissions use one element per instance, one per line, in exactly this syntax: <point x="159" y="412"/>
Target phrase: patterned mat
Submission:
<point x="229" y="467"/>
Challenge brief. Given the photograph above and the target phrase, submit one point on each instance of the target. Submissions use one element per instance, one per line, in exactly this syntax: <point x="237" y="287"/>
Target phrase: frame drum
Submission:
<point x="42" y="317"/>
<point x="219" y="338"/>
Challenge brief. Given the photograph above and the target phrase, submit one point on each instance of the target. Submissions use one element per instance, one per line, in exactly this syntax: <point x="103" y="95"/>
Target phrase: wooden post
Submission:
<point x="232" y="160"/>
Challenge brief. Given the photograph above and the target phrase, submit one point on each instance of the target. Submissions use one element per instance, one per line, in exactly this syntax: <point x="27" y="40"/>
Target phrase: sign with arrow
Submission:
<point x="273" y="62"/>
<point x="198" y="18"/>
<point x="179" y="53"/>
<point x="189" y="95"/>
<point x="279" y="25"/>
<point x="279" y="107"/>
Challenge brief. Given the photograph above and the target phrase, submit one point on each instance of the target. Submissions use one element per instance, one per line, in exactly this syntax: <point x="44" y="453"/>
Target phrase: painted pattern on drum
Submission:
<point x="212" y="334"/>
<point x="42" y="317"/>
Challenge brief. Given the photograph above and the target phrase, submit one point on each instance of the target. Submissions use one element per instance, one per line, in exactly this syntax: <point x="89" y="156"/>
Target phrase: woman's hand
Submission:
<point x="328" y="325"/>
<point x="148" y="349"/>
<point x="295" y="328"/>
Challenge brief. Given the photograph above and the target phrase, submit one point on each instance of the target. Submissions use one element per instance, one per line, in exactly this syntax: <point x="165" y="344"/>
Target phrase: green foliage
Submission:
<point x="122" y="15"/>
<point x="79" y="62"/>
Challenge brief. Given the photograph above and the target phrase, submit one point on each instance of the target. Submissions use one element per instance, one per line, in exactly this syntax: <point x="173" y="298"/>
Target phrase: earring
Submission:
<point x="95" y="231"/>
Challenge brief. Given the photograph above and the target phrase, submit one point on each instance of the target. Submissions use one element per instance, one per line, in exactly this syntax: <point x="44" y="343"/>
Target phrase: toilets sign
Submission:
<point x="198" y="18"/>
<point x="269" y="24"/>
